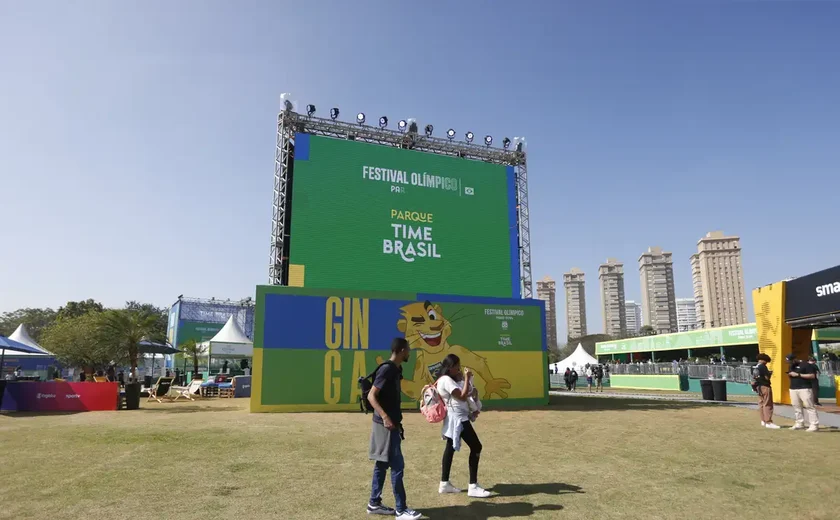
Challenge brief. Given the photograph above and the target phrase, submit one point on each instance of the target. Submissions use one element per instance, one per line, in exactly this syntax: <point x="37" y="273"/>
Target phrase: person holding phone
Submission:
<point x="455" y="388"/>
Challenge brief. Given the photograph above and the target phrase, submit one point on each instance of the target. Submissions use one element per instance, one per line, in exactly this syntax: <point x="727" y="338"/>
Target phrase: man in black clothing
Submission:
<point x="802" y="394"/>
<point x="761" y="384"/>
<point x="815" y="383"/>
<point x="387" y="434"/>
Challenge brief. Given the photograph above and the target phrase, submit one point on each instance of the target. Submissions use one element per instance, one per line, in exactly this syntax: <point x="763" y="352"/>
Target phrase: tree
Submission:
<point x="162" y="322"/>
<point x="191" y="349"/>
<point x="76" y="309"/>
<point x="647" y="330"/>
<point x="76" y="342"/>
<point x="36" y="321"/>
<point x="124" y="329"/>
<point x="554" y="354"/>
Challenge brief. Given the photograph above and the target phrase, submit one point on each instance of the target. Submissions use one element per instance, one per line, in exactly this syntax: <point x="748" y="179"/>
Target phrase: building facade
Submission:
<point x="611" y="278"/>
<point x="633" y="312"/>
<point x="686" y="315"/>
<point x="575" y="286"/>
<point x="546" y="291"/>
<point x="718" y="280"/>
<point x="659" y="306"/>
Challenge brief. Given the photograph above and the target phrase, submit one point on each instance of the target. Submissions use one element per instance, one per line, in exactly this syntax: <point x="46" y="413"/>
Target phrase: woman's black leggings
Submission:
<point x="470" y="438"/>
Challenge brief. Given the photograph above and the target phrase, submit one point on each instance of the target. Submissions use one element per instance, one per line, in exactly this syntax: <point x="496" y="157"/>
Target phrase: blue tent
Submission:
<point x="10" y="344"/>
<point x="16" y="346"/>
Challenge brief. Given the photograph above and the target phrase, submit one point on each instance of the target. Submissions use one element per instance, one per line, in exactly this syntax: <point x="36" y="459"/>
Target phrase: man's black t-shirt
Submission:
<point x="797" y="383"/>
<point x="387" y="380"/>
<point x="762" y="375"/>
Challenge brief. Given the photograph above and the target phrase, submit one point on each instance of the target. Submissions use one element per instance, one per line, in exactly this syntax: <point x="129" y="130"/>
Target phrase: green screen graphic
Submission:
<point x="370" y="217"/>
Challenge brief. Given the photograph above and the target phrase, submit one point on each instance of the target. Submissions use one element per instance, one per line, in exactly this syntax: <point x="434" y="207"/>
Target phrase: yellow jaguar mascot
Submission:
<point x="427" y="331"/>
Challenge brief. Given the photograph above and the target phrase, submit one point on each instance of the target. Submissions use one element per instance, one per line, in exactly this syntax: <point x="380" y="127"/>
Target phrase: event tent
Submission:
<point x="21" y="335"/>
<point x="577" y="361"/>
<point x="230" y="341"/>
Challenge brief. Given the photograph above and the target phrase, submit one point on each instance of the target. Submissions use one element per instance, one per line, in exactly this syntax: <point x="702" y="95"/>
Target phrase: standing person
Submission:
<point x="815" y="383"/>
<point x="599" y="378"/>
<point x="455" y="388"/>
<point x="567" y="378"/>
<point x="589" y="378"/>
<point x="573" y="378"/>
<point x="387" y="434"/>
<point x="802" y="394"/>
<point x="761" y="382"/>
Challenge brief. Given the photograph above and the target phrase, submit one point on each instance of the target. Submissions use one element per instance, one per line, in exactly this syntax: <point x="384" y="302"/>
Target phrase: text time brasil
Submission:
<point x="345" y="327"/>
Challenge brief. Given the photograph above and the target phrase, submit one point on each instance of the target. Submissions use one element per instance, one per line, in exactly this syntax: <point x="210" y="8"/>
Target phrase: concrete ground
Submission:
<point x="828" y="417"/>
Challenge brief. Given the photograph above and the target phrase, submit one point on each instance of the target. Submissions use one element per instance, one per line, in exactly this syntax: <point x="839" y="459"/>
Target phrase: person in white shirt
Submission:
<point x="455" y="388"/>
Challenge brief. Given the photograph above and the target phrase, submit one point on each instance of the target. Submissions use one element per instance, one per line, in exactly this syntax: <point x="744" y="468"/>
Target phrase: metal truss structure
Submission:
<point x="289" y="123"/>
<point x="219" y="311"/>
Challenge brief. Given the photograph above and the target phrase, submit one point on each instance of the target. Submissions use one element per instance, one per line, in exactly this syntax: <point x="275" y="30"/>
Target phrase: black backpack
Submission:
<point x="365" y="385"/>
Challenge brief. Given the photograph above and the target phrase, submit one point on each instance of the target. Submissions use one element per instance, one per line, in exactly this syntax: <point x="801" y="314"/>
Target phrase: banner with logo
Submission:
<point x="311" y="346"/>
<point x="59" y="396"/>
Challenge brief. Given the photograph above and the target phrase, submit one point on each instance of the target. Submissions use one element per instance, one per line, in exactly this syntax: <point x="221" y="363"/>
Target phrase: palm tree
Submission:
<point x="192" y="349"/>
<point x="125" y="329"/>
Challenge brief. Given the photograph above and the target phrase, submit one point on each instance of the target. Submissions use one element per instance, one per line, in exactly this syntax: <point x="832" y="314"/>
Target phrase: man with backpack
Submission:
<point x="387" y="434"/>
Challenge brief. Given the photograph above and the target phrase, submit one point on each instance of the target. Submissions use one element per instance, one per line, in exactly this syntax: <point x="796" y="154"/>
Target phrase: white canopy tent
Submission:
<point x="577" y="361"/>
<point x="21" y="335"/>
<point x="230" y="341"/>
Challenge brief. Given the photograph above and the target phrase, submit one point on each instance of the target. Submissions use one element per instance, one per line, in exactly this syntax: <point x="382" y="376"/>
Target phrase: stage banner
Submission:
<point x="311" y="346"/>
<point x="59" y="397"/>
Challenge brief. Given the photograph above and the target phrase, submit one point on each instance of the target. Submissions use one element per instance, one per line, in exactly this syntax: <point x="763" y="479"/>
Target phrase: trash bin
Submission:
<point x="719" y="389"/>
<point x="132" y="396"/>
<point x="706" y="390"/>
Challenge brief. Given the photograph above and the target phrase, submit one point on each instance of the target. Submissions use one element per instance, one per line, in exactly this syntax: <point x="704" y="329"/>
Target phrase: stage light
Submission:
<point x="412" y="125"/>
<point x="488" y="140"/>
<point x="402" y="125"/>
<point x="360" y="118"/>
<point x="310" y="110"/>
<point x="470" y="137"/>
<point x="383" y="122"/>
<point x="519" y="144"/>
<point x="333" y="114"/>
<point x="429" y="130"/>
<point x="450" y="134"/>
<point x="506" y="143"/>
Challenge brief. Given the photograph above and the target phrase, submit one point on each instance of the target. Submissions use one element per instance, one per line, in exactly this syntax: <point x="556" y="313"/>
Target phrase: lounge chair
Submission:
<point x="188" y="392"/>
<point x="160" y="389"/>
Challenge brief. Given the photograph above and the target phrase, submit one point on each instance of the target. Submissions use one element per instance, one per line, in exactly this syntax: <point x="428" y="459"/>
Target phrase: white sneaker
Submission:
<point x="813" y="428"/>
<point x="772" y="426"/>
<point x="408" y="514"/>
<point x="476" y="491"/>
<point x="763" y="423"/>
<point x="798" y="427"/>
<point x="447" y="487"/>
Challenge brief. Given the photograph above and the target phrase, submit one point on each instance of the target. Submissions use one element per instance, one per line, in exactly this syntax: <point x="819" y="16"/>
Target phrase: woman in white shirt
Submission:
<point x="455" y="389"/>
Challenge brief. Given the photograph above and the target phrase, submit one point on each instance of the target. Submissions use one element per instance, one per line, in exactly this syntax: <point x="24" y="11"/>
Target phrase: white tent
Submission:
<point x="230" y="341"/>
<point x="21" y="335"/>
<point x="577" y="361"/>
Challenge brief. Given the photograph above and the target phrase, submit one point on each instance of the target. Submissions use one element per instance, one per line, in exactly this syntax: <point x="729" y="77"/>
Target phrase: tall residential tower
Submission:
<point x="611" y="276"/>
<point x="575" y="303"/>
<point x="546" y="289"/>
<point x="718" y="281"/>
<point x="659" y="306"/>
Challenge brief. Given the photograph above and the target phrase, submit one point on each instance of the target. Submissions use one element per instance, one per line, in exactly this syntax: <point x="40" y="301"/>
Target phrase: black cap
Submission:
<point x="790" y="357"/>
<point x="811" y="358"/>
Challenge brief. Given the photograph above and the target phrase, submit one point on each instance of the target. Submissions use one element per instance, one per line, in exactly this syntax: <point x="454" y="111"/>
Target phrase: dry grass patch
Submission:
<point x="579" y="458"/>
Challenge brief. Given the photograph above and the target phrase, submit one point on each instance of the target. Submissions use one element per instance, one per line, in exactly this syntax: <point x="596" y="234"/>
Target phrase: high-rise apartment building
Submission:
<point x="659" y="306"/>
<point x="575" y="303"/>
<point x="546" y="289"/>
<point x="718" y="281"/>
<point x="611" y="276"/>
<point x="686" y="315"/>
<point x="633" y="312"/>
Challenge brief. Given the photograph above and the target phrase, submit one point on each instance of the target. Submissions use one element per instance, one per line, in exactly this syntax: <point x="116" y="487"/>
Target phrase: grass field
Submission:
<point x="580" y="458"/>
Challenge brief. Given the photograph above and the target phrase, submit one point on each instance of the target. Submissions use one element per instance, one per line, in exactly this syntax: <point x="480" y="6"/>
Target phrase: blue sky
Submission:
<point x="137" y="139"/>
